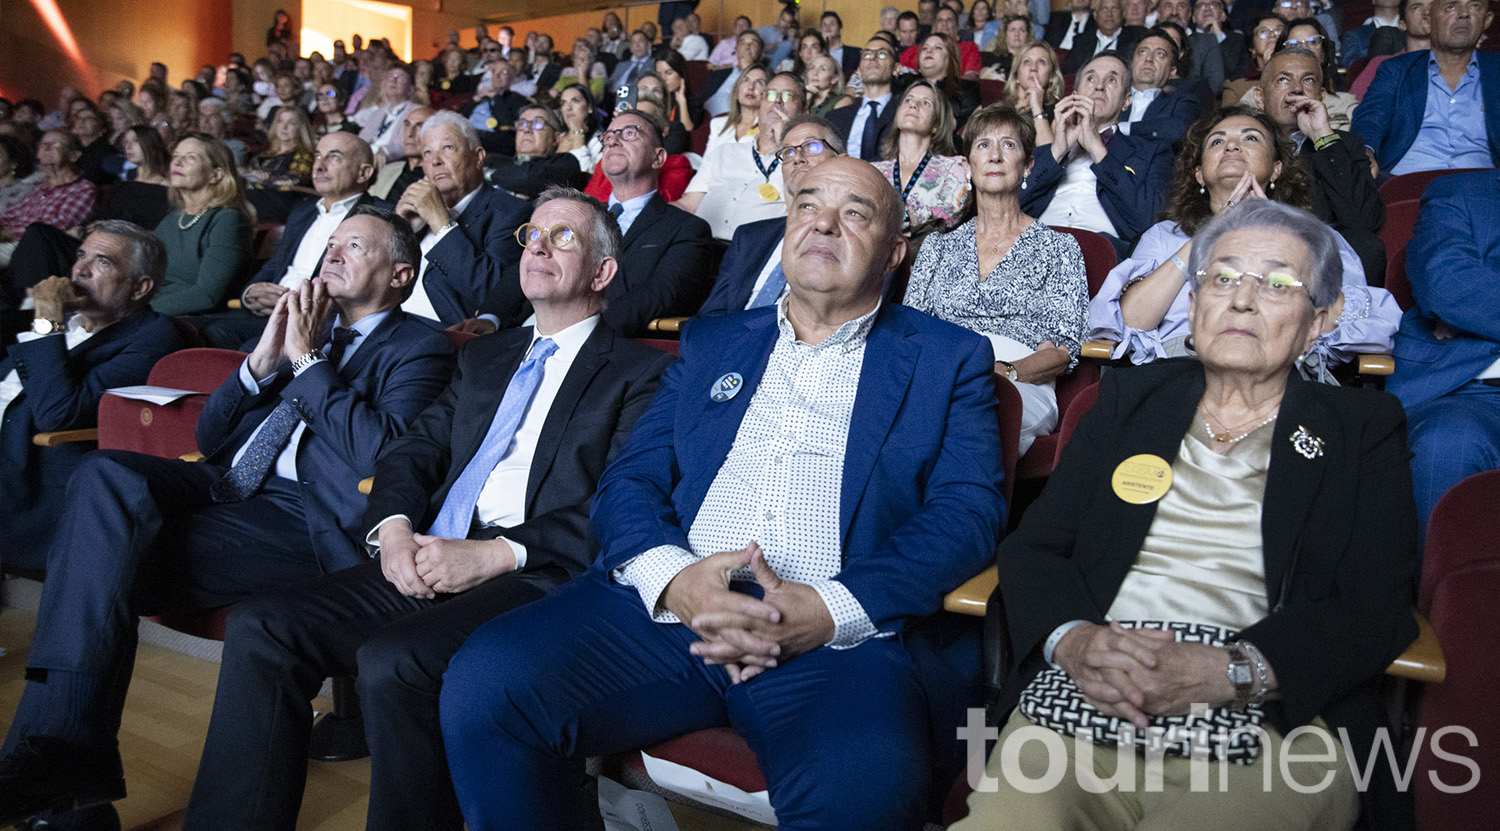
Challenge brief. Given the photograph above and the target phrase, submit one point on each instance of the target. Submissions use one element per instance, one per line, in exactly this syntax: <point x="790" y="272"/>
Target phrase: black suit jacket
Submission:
<point x="61" y="388"/>
<point x="1341" y="524"/>
<point x="609" y="385"/>
<point x="852" y="56"/>
<point x="748" y="251"/>
<point x="530" y="177"/>
<point x="842" y="120"/>
<point x="297" y="222"/>
<point x="351" y="413"/>
<point x="1087" y="43"/>
<point x="664" y="268"/>
<point x="1058" y="25"/>
<point x="479" y="259"/>
<point x="1344" y="192"/>
<point x="1168" y="117"/>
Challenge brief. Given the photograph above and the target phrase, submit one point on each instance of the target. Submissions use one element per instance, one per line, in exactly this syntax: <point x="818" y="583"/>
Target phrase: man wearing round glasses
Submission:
<point x="750" y="275"/>
<point x="740" y="183"/>
<point x="536" y="164"/>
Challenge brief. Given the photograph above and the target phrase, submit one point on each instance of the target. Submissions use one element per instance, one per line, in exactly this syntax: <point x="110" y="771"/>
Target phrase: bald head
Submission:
<point x="342" y="166"/>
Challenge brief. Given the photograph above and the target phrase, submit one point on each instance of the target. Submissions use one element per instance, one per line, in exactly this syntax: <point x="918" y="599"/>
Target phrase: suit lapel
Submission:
<point x="366" y="350"/>
<point x="717" y="423"/>
<point x="1293" y="480"/>
<point x="883" y="383"/>
<point x="654" y="208"/>
<point x="591" y="358"/>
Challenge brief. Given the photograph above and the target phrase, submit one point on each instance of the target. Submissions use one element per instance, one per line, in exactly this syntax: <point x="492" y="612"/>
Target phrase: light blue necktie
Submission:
<point x="775" y="282"/>
<point x="457" y="514"/>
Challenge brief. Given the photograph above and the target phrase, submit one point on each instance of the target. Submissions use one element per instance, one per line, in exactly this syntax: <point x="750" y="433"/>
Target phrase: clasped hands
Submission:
<point x="745" y="635"/>
<point x="1136" y="673"/>
<point x="297" y="325"/>
<point x="422" y="205"/>
<point x="1074" y="126"/>
<point x="423" y="566"/>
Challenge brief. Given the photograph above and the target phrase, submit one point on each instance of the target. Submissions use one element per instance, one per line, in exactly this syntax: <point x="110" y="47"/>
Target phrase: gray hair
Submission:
<point x="218" y="107"/>
<point x="1265" y="214"/>
<point x="148" y="256"/>
<point x="402" y="245"/>
<point x="1297" y="51"/>
<point x="831" y="135"/>
<point x="448" y="118"/>
<point x="603" y="236"/>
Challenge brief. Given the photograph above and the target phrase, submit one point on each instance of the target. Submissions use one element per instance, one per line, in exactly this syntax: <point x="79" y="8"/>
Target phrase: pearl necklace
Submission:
<point x="192" y="222"/>
<point x="1225" y="437"/>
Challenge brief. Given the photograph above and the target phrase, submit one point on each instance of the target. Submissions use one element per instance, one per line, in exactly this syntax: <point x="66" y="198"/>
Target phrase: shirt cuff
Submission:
<point x="651" y="571"/>
<point x="1055" y="638"/>
<point x="851" y="625"/>
<point x="250" y="383"/>
<point x="494" y="321"/>
<point x="517" y="549"/>
<point x="373" y="538"/>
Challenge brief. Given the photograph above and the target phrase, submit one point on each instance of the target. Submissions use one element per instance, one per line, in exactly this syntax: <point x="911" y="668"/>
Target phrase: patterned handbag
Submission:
<point x="1052" y="700"/>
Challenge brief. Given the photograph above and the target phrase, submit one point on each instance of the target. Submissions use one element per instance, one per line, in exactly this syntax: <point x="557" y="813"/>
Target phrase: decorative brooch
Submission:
<point x="1310" y="446"/>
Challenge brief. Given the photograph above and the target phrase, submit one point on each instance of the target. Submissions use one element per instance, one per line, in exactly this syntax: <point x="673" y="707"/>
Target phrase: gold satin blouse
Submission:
<point x="1202" y="558"/>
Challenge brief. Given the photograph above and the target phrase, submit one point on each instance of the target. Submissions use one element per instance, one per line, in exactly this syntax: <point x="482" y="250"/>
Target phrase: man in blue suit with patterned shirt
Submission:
<point x="811" y="479"/>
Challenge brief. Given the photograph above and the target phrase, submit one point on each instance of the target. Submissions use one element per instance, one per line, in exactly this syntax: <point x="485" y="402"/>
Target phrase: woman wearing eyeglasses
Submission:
<point x="1228" y="157"/>
<point x="1218" y="533"/>
<point x="1005" y="275"/>
<point x="1307" y="33"/>
<point x="920" y="163"/>
<point x="1263" y="34"/>
<point x="330" y="117"/>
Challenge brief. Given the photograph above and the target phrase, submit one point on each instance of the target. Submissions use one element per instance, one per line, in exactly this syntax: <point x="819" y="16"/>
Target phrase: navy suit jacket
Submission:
<point x="606" y="390"/>
<point x="753" y="242"/>
<point x="664" y="268"/>
<point x="1133" y="180"/>
<point x="1390" y="116"/>
<point x="842" y="120"/>
<point x="479" y="259"/>
<point x="920" y="508"/>
<point x="61" y="391"/>
<point x="1168" y="117"/>
<point x="1452" y="262"/>
<point x="351" y="415"/>
<point x="297" y="222"/>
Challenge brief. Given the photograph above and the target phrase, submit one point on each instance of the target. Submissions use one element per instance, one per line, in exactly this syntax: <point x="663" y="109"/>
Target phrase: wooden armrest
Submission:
<point x="234" y="303"/>
<point x="1381" y="364"/>
<point x="366" y="484"/>
<point x="1423" y="660"/>
<point x="1097" y="349"/>
<point x="974" y="595"/>
<point x="57" y="437"/>
<point x="666" y="324"/>
<point x="195" y="456"/>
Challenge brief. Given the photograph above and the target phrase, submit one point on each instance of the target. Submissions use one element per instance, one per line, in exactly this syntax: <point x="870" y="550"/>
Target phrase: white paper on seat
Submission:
<point x="627" y="810"/>
<point x="155" y="395"/>
<point x="694" y="785"/>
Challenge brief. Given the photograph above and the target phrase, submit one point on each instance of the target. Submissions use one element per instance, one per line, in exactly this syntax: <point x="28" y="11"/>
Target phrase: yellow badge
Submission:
<point x="769" y="192"/>
<point x="492" y="122"/>
<point x="1142" y="479"/>
<point x="447" y="84"/>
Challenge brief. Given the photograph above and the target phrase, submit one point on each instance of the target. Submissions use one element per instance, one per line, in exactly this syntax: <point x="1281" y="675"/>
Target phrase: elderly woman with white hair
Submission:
<point x="1219" y="533"/>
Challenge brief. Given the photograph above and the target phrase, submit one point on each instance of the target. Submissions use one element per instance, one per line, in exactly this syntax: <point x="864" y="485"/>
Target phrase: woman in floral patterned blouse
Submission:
<point x="1007" y="276"/>
<point x="920" y="162"/>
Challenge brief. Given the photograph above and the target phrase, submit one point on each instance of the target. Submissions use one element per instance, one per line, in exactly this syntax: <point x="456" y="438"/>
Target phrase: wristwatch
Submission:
<point x="1010" y="371"/>
<point x="43" y="326"/>
<point x="306" y="361"/>
<point x="1241" y="674"/>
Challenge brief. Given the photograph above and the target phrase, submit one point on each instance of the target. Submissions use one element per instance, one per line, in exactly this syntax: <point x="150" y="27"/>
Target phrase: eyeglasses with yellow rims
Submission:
<point x="1223" y="280"/>
<point x="805" y="150"/>
<point x="785" y="96"/>
<point x="559" y="236"/>
<point x="629" y="133"/>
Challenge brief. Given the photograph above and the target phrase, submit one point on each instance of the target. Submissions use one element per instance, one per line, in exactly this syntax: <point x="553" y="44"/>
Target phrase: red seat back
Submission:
<point x="664" y="344"/>
<point x="166" y="430"/>
<point x="697" y="76"/>
<point x="1400" y="221"/>
<point x="1099" y="256"/>
<point x="991" y="91"/>
<point x="1460" y="580"/>
<point x="1082" y="402"/>
<point x="1411" y="185"/>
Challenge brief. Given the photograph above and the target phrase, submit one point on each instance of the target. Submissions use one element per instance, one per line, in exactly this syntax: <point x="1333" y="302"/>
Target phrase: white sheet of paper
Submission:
<point x="688" y="782"/>
<point x="624" y="809"/>
<point x="155" y="395"/>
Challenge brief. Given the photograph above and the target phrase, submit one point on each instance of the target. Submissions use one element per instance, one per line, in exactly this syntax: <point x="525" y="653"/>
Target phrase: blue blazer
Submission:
<point x="753" y="242"/>
<point x="920" y="509"/>
<point x="479" y="259"/>
<point x="351" y="414"/>
<point x="1451" y="261"/>
<point x="1133" y="180"/>
<point x="297" y="222"/>
<point x="1390" y="115"/>
<point x="1168" y="117"/>
<point x="61" y="391"/>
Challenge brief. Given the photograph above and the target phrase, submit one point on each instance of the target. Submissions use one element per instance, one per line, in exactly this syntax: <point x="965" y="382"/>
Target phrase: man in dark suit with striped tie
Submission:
<point x="496" y="476"/>
<point x="287" y="440"/>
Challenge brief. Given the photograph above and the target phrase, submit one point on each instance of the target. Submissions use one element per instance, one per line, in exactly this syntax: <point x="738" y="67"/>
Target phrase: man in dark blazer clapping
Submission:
<point x="497" y="475"/>
<point x="287" y="440"/>
<point x="93" y="332"/>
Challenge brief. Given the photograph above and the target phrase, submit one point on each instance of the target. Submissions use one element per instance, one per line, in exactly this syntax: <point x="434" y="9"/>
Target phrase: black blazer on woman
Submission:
<point x="1346" y="516"/>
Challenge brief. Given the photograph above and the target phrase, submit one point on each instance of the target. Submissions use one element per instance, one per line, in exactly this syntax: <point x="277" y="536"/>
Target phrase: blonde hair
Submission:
<point x="302" y="141"/>
<point x="733" y="120"/>
<point x="1052" y="90"/>
<point x="229" y="191"/>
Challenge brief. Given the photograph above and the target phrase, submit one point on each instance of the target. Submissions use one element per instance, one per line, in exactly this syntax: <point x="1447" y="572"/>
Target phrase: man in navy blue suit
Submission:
<point x="1437" y="109"/>
<point x="810" y="480"/>
<point x="754" y="257"/>
<point x="93" y="332"/>
<point x="1448" y="348"/>
<point x="1159" y="108"/>
<point x="287" y="440"/>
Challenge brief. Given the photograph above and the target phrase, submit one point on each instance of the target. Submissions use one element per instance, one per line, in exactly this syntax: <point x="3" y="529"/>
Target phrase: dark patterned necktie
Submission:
<point x="247" y="475"/>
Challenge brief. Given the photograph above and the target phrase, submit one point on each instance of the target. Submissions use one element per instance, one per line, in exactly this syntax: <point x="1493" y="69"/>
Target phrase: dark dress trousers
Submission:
<point x="279" y="647"/>
<point x="61" y="388"/>
<point x="479" y="259"/>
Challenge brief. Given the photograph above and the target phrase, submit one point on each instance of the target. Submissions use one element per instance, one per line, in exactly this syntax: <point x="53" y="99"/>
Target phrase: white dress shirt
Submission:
<point x="286" y="463"/>
<point x="384" y="129"/>
<point x="781" y="484"/>
<point x="1075" y="26"/>
<point x="1140" y="101"/>
<point x="11" y="386"/>
<point x="1075" y="203"/>
<point x="419" y="303"/>
<point x="632" y="209"/>
<point x="315" y="241"/>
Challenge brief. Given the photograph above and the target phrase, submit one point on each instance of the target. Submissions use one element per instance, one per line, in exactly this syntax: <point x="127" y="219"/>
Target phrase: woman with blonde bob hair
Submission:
<point x="208" y="233"/>
<point x="1035" y="86"/>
